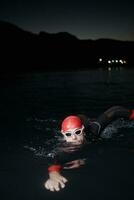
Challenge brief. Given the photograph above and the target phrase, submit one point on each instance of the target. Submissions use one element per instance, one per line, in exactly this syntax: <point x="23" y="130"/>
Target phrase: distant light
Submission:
<point x="121" y="61"/>
<point x="109" y="68"/>
<point x="109" y="61"/>
<point x="112" y="61"/>
<point x="100" y="59"/>
<point x="116" y="61"/>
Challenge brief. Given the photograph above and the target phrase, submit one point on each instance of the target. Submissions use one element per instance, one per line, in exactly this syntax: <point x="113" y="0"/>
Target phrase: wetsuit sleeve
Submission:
<point x="58" y="162"/>
<point x="74" y="153"/>
<point x="54" y="164"/>
<point x="110" y="115"/>
<point x="54" y="167"/>
<point x="54" y="161"/>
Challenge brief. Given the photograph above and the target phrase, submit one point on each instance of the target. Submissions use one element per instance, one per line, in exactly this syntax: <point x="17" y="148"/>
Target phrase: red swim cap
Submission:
<point x="131" y="115"/>
<point x="71" y="122"/>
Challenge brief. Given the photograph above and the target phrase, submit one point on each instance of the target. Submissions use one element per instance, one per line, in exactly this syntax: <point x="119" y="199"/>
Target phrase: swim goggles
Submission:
<point x="77" y="131"/>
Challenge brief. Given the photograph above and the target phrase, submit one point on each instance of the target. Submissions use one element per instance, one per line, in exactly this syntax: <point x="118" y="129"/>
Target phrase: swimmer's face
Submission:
<point x="76" y="136"/>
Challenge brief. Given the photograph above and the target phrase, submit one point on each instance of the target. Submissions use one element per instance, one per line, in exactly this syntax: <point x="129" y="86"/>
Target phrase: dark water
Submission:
<point x="31" y="106"/>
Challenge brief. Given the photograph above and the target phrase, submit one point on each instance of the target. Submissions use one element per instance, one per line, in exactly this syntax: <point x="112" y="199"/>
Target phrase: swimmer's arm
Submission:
<point x="55" y="181"/>
<point x="114" y="113"/>
<point x="117" y="112"/>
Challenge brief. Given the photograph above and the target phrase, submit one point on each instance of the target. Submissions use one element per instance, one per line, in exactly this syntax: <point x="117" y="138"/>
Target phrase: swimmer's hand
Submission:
<point x="55" y="182"/>
<point x="74" y="164"/>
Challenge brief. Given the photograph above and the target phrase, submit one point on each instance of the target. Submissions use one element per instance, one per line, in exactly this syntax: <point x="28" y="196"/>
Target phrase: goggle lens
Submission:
<point x="77" y="132"/>
<point x="68" y="134"/>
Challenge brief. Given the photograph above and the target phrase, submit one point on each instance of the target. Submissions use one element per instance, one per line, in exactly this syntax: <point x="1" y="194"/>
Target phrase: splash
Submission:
<point x="47" y="149"/>
<point x="112" y="129"/>
<point x="51" y="143"/>
<point x="45" y="139"/>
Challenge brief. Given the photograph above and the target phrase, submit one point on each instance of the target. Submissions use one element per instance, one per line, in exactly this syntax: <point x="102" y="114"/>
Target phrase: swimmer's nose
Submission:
<point x="74" y="137"/>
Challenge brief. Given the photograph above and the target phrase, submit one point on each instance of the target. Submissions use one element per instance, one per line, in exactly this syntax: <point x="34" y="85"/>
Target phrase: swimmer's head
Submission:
<point x="73" y="129"/>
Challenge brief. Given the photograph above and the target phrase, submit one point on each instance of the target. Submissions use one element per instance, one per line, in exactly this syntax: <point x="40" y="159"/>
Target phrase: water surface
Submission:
<point x="32" y="106"/>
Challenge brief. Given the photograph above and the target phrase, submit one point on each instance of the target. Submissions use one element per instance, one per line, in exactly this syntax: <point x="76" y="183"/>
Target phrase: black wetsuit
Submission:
<point x="92" y="128"/>
<point x="95" y="127"/>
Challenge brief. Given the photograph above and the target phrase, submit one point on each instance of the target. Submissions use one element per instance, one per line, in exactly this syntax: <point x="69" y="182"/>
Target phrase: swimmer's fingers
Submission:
<point x="71" y="167"/>
<point x="54" y="185"/>
<point x="61" y="180"/>
<point x="49" y="185"/>
<point x="58" y="185"/>
<point x="57" y="176"/>
<point x="74" y="164"/>
<point x="61" y="183"/>
<point x="55" y="182"/>
<point x="82" y="161"/>
<point x="46" y="184"/>
<point x="64" y="180"/>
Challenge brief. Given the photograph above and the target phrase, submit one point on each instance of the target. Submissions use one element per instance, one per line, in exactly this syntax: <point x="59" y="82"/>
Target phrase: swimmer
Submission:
<point x="75" y="130"/>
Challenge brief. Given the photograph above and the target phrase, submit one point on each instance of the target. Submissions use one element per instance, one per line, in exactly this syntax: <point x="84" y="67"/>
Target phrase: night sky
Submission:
<point x="86" y="19"/>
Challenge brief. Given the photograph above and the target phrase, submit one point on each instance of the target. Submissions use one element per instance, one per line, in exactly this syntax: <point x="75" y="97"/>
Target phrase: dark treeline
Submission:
<point x="25" y="51"/>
